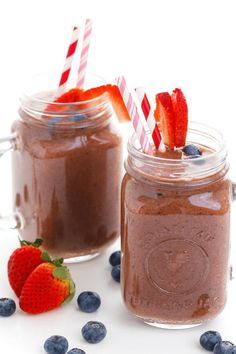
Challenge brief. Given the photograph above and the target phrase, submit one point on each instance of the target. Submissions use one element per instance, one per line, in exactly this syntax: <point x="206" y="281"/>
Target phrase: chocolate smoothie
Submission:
<point x="66" y="182"/>
<point x="175" y="243"/>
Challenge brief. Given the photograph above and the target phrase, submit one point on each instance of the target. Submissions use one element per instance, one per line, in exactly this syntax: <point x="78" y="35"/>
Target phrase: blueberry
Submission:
<point x="76" y="351"/>
<point x="77" y="118"/>
<point x="114" y="258"/>
<point x="93" y="332"/>
<point x="231" y="350"/>
<point x="192" y="150"/>
<point x="56" y="345"/>
<point x="7" y="307"/>
<point x="89" y="301"/>
<point x="209" y="339"/>
<point x="222" y="347"/>
<point x="115" y="273"/>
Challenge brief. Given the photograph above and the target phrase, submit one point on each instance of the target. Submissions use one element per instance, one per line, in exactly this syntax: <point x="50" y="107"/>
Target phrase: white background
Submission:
<point x="158" y="44"/>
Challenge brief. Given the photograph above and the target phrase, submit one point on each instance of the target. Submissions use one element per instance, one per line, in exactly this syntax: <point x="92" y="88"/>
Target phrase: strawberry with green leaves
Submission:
<point x="47" y="287"/>
<point x="22" y="262"/>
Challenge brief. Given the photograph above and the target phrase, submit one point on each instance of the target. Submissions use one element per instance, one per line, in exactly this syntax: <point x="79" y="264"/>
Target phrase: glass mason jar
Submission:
<point x="176" y="233"/>
<point x="66" y="166"/>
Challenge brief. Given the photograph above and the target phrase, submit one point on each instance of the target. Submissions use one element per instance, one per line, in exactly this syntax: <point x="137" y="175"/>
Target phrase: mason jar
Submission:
<point x="66" y="168"/>
<point x="175" y="233"/>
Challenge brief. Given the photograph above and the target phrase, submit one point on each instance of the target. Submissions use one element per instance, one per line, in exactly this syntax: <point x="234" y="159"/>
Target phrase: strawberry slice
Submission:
<point x="118" y="104"/>
<point x="78" y="95"/>
<point x="164" y="113"/>
<point x="73" y="95"/>
<point x="181" y="117"/>
<point x="95" y="92"/>
<point x="115" y="98"/>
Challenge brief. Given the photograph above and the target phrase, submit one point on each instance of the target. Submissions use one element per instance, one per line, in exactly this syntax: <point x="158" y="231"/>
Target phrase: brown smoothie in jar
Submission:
<point x="66" y="184"/>
<point x="175" y="243"/>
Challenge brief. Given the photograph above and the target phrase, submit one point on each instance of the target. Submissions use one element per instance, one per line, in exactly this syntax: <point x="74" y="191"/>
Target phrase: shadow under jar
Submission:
<point x="67" y="167"/>
<point x="175" y="233"/>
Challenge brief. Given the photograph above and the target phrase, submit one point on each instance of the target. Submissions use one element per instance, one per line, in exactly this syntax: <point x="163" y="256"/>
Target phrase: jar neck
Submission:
<point x="42" y="110"/>
<point x="181" y="172"/>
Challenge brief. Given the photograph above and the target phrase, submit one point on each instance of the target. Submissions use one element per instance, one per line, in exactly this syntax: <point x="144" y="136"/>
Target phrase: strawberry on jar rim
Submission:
<point x="115" y="98"/>
<point x="181" y="117"/>
<point x="73" y="95"/>
<point x="164" y="113"/>
<point x="76" y="95"/>
<point x="172" y="114"/>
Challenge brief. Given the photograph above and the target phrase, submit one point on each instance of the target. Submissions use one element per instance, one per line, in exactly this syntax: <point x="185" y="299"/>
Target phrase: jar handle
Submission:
<point x="14" y="221"/>
<point x="7" y="143"/>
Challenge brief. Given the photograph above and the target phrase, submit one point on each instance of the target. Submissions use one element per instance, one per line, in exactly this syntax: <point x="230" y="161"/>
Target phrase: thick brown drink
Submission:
<point x="175" y="235"/>
<point x="66" y="177"/>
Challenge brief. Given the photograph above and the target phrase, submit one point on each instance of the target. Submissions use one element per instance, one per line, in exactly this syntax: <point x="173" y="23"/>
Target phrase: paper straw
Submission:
<point x="68" y="62"/>
<point x="84" y="53"/>
<point x="135" y="118"/>
<point x="150" y="119"/>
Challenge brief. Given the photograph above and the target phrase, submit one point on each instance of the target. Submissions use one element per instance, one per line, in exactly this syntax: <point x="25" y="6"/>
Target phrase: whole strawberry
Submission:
<point x="47" y="287"/>
<point x="22" y="262"/>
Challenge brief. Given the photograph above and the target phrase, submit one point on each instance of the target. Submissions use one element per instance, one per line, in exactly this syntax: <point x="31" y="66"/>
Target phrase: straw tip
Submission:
<point x="89" y="21"/>
<point x="120" y="78"/>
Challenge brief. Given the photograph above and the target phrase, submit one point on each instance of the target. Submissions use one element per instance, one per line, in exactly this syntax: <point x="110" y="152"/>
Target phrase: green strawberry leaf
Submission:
<point x="62" y="273"/>
<point x="58" y="262"/>
<point x="72" y="287"/>
<point x="37" y="243"/>
<point x="68" y="299"/>
<point x="72" y="292"/>
<point x="45" y="256"/>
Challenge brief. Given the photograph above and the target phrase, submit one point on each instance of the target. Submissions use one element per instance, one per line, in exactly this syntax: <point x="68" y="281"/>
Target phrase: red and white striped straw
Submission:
<point x="150" y="119"/>
<point x="135" y="118"/>
<point x="84" y="53"/>
<point x="68" y="62"/>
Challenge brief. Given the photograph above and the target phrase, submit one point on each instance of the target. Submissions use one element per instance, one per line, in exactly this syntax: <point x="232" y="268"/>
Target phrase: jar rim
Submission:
<point x="25" y="97"/>
<point x="189" y="169"/>
<point x="38" y="103"/>
<point x="193" y="126"/>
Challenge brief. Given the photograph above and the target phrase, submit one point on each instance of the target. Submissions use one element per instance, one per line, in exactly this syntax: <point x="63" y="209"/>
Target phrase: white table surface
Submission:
<point x="23" y="333"/>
